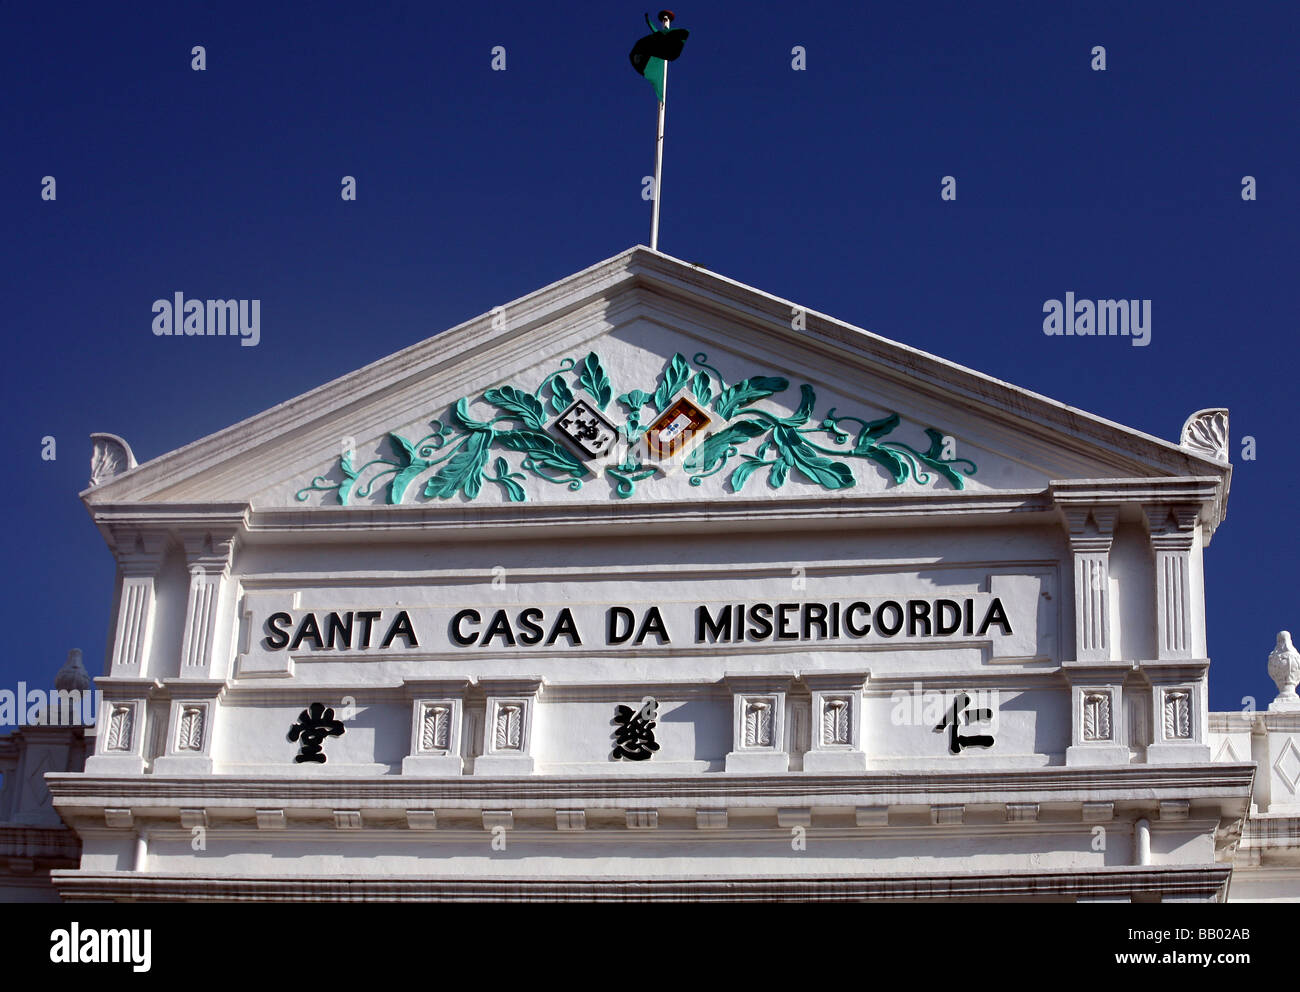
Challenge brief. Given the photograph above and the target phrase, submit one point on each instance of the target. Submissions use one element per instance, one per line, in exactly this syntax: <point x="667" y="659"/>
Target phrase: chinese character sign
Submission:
<point x="634" y="737"/>
<point x="959" y="714"/>
<point x="314" y="724"/>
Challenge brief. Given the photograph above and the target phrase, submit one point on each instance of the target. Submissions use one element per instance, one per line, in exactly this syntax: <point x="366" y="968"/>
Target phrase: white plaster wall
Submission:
<point x="1188" y="842"/>
<point x="1133" y="593"/>
<point x="618" y="852"/>
<point x="172" y="593"/>
<point x="1030" y="727"/>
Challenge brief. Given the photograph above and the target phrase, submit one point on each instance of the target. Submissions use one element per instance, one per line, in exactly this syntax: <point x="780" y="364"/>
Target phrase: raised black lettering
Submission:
<point x="619" y="624"/>
<point x="565" y="627"/>
<point x="942" y="608"/>
<point x="760" y="621"/>
<point x="814" y="615"/>
<point x="368" y="617"/>
<point x="277" y="635"/>
<point x="653" y="624"/>
<point x="457" y="635"/>
<point x="996" y="615"/>
<point x="918" y="611"/>
<point x="530" y="627"/>
<point x="853" y="629"/>
<point x="499" y="627"/>
<point x="783" y="612"/>
<point x="334" y="626"/>
<point x="889" y="630"/>
<point x="401" y="628"/>
<point x="709" y="629"/>
<point x="308" y="629"/>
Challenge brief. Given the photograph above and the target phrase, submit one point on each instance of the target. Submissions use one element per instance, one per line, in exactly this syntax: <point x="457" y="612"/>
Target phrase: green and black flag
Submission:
<point x="662" y="45"/>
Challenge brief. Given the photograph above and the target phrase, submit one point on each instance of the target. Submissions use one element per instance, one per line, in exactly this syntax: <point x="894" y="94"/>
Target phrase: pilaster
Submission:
<point x="1173" y="533"/>
<point x="1274" y="746"/>
<point x="208" y="554"/>
<point x="139" y="554"/>
<point x="1092" y="529"/>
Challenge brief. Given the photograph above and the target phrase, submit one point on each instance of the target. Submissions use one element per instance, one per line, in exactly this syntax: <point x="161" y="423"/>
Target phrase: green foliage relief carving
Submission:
<point x="749" y="441"/>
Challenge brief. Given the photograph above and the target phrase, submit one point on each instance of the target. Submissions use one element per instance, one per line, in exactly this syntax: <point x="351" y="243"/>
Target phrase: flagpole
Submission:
<point x="659" y="166"/>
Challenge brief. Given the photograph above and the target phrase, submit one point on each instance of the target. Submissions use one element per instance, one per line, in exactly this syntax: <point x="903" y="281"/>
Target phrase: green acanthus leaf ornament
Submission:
<point x="456" y="456"/>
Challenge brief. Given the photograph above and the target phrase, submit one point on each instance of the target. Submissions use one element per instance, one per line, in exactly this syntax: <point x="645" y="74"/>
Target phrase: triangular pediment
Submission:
<point x="778" y="403"/>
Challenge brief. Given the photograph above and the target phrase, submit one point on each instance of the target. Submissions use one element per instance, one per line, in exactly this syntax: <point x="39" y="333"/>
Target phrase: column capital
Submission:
<point x="1091" y="525"/>
<point x="1172" y="525"/>
<point x="139" y="551"/>
<point x="209" y="550"/>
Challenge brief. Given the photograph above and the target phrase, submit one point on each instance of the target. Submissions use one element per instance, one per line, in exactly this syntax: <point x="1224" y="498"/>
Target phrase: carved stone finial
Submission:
<point x="1206" y="433"/>
<point x="1284" y="669"/>
<point x="73" y="674"/>
<point x="110" y="456"/>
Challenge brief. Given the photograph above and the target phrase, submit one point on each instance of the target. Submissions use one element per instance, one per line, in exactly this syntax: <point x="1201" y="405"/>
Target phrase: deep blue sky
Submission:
<point x="476" y="187"/>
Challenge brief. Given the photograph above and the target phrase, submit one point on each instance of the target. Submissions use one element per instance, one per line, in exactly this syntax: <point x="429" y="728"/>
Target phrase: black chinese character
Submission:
<point x="313" y="726"/>
<point x="958" y="741"/>
<point x="635" y="739"/>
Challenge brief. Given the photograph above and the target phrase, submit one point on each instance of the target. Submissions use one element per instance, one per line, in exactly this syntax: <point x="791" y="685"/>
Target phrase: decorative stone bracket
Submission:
<point x="510" y="707"/>
<point x="437" y="716"/>
<point x="836" y="744"/>
<point x="120" y="731"/>
<point x="1179" y="711"/>
<point x="758" y="723"/>
<point x="1098" y="734"/>
<point x="190" y="726"/>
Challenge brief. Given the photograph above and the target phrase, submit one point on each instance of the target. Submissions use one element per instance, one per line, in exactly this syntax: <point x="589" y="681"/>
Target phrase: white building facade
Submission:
<point x="651" y="585"/>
